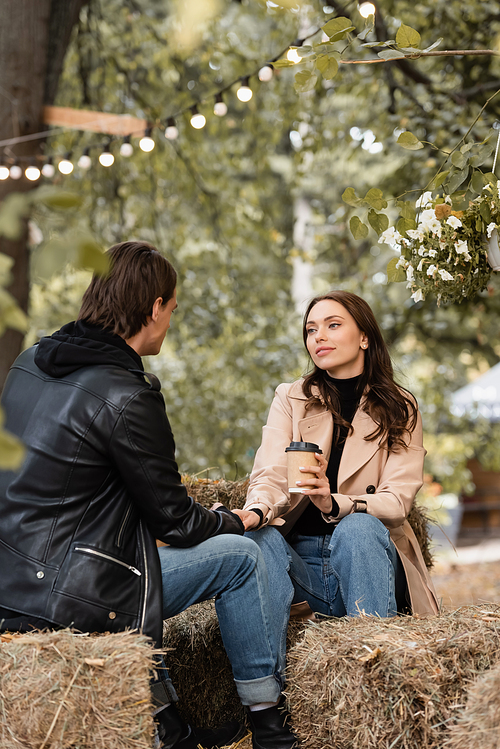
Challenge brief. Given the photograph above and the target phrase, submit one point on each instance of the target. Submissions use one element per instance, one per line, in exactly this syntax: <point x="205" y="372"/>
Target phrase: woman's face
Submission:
<point x="334" y="341"/>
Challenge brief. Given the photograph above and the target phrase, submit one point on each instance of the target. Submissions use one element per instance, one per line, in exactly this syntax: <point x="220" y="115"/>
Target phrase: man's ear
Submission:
<point x="157" y="304"/>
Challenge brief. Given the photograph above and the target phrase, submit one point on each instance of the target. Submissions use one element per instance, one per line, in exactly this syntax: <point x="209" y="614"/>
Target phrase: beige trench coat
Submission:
<point x="396" y="476"/>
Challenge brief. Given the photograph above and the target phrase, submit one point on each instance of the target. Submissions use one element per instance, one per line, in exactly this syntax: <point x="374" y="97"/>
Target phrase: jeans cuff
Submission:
<point x="163" y="693"/>
<point x="265" y="689"/>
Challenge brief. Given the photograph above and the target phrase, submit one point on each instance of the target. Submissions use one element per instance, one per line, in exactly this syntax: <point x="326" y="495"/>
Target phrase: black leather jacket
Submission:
<point x="78" y="521"/>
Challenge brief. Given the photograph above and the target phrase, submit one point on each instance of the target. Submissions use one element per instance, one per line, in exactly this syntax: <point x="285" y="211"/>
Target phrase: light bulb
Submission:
<point x="85" y="162"/>
<point x="4" y="172"/>
<point x="32" y="173"/>
<point x="293" y="55"/>
<point x="171" y="131"/>
<point x="197" y="120"/>
<point x="65" y="166"/>
<point x="48" y="169"/>
<point x="126" y="148"/>
<point x="244" y="93"/>
<point x="106" y="158"/>
<point x="15" y="171"/>
<point x="266" y="73"/>
<point x="146" y="144"/>
<point x="367" y="9"/>
<point x="220" y="106"/>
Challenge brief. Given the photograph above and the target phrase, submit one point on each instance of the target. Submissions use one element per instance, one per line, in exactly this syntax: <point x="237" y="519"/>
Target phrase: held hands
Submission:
<point x="317" y="488"/>
<point x="248" y="518"/>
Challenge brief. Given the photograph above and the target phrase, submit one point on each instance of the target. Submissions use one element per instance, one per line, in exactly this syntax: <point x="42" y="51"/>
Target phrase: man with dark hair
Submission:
<point x="99" y="483"/>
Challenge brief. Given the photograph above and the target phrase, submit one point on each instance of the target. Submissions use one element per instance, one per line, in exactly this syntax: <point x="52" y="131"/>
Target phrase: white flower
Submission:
<point x="445" y="275"/>
<point x="490" y="229"/>
<point x="401" y="262"/>
<point x="409" y="273"/>
<point x="431" y="269"/>
<point x="432" y="253"/>
<point x="422" y="251"/>
<point x="448" y="200"/>
<point x="418" y="295"/>
<point x="416" y="233"/>
<point x="467" y="256"/>
<point x="453" y="221"/>
<point x="429" y="222"/>
<point x="461" y="247"/>
<point x="390" y="236"/>
<point x="424" y="200"/>
<point x="498" y="187"/>
<point x="420" y="265"/>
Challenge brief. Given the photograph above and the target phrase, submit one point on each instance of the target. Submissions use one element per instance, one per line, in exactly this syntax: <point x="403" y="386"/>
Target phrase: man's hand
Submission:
<point x="248" y="518"/>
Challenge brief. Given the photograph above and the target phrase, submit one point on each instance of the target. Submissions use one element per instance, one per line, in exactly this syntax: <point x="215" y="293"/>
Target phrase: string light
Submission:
<point x="171" y="131"/>
<point x="85" y="162"/>
<point x="146" y="143"/>
<point x="4" y="172"/>
<point x="32" y="173"/>
<point x="48" y="168"/>
<point x="266" y="73"/>
<point x="292" y="55"/>
<point x="65" y="166"/>
<point x="244" y="93"/>
<point x="220" y="106"/>
<point x="197" y="120"/>
<point x="366" y="9"/>
<point x="106" y="158"/>
<point x="126" y="148"/>
<point x="15" y="172"/>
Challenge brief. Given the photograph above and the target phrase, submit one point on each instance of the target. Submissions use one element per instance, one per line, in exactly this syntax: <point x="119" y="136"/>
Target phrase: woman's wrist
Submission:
<point x="334" y="509"/>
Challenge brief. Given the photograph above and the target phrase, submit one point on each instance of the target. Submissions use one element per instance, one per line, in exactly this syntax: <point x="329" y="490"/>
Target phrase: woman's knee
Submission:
<point x="361" y="528"/>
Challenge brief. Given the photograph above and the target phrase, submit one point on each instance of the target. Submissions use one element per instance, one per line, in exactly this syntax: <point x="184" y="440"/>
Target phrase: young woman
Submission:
<point x="349" y="548"/>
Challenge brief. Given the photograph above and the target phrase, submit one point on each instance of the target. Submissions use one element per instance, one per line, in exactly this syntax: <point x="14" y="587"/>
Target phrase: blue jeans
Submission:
<point x="230" y="569"/>
<point x="349" y="572"/>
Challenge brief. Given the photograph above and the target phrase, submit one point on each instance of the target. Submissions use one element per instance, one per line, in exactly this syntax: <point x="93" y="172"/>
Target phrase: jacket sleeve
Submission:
<point x="143" y="450"/>
<point x="399" y="482"/>
<point x="268" y="486"/>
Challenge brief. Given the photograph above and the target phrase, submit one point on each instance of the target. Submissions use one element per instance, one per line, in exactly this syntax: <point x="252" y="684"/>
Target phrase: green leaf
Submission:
<point x="406" y="210"/>
<point x="390" y="54"/>
<point x="369" y="24"/>
<point x="395" y="275"/>
<point x="433" y="46"/>
<point x="457" y="179"/>
<point x="337" y="28"/>
<point x="305" y="51"/>
<point x="478" y="181"/>
<point x="328" y="66"/>
<point x="13" y="210"/>
<point x="466" y="147"/>
<point x="409" y="141"/>
<point x="459" y="159"/>
<point x="359" y="230"/>
<point x="50" y="258"/>
<point x="59" y="199"/>
<point x="349" y="196"/>
<point x="438" y="180"/>
<point x="491" y="178"/>
<point x="378" y="221"/>
<point x="407" y="37"/>
<point x="485" y="213"/>
<point x="375" y="199"/>
<point x="481" y="154"/>
<point x="90" y="256"/>
<point x="404" y="224"/>
<point x="283" y="63"/>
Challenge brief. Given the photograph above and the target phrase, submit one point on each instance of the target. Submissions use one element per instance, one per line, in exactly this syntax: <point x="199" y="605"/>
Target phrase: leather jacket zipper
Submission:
<point x="146" y="577"/>
<point x="122" y="526"/>
<point x="86" y="550"/>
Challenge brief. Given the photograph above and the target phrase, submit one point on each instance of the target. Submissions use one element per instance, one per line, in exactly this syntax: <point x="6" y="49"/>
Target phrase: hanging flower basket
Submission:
<point x="447" y="254"/>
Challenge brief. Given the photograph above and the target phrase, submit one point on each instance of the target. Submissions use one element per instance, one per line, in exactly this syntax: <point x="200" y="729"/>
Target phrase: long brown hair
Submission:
<point x="122" y="299"/>
<point x="392" y="408"/>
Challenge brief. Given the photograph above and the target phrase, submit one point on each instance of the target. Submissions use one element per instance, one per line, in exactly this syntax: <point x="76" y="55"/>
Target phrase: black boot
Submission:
<point x="175" y="733"/>
<point x="271" y="728"/>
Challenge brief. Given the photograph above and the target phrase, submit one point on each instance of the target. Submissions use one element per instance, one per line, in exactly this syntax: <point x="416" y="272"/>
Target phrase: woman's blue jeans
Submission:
<point x="231" y="569"/>
<point x="348" y="573"/>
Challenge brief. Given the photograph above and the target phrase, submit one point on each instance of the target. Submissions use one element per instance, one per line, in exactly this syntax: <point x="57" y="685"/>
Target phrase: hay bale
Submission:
<point x="478" y="725"/>
<point x="61" y="690"/>
<point x="233" y="495"/>
<point x="199" y="667"/>
<point x="390" y="682"/>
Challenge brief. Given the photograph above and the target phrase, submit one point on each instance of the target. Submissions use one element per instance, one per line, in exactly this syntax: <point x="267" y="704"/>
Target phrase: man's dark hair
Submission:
<point x="122" y="299"/>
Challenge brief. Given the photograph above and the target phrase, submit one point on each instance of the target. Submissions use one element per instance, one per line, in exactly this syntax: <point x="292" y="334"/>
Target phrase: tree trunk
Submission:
<point x="34" y="35"/>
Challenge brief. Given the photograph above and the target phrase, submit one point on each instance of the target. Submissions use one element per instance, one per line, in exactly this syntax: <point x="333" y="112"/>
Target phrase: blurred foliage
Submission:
<point x="221" y="202"/>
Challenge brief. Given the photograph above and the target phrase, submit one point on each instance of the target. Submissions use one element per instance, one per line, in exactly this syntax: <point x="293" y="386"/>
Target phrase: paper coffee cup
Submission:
<point x="300" y="454"/>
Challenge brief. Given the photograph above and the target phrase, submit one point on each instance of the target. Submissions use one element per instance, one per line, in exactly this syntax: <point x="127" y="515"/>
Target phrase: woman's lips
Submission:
<point x="323" y="351"/>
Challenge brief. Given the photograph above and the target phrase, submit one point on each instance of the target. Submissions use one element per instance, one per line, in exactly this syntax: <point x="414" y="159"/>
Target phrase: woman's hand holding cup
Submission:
<point x="317" y="487"/>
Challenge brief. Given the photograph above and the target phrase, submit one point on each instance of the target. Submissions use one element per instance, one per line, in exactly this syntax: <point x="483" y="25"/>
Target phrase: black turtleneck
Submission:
<point x="311" y="522"/>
